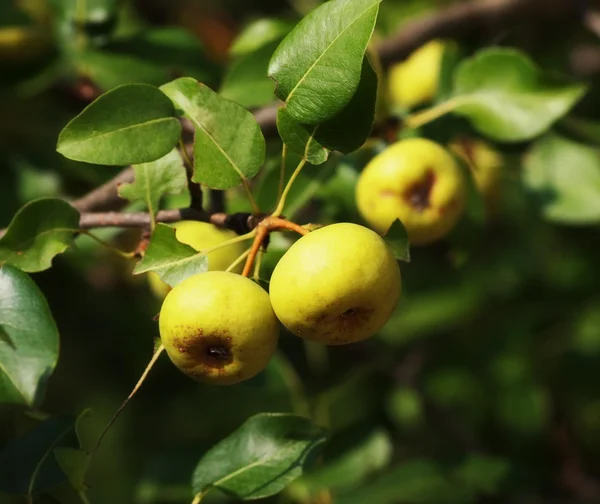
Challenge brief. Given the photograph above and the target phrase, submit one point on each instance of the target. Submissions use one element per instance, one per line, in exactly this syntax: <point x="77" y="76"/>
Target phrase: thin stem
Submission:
<point x="84" y="498"/>
<point x="259" y="256"/>
<point x="261" y="234"/>
<point x="125" y="255"/>
<point x="149" y="367"/>
<point x="282" y="172"/>
<point x="235" y="263"/>
<point x="237" y="239"/>
<point x="255" y="208"/>
<point x="279" y="210"/>
<point x="198" y="498"/>
<point x="431" y="114"/>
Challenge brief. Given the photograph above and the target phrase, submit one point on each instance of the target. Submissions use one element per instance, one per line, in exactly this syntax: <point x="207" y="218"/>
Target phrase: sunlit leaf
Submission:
<point x="317" y="67"/>
<point x="264" y="455"/>
<point x="29" y="347"/>
<point x="507" y="97"/>
<point x="130" y="124"/>
<point x="172" y="260"/>
<point x="156" y="179"/>
<point x="39" y="231"/>
<point x="228" y="144"/>
<point x="564" y="178"/>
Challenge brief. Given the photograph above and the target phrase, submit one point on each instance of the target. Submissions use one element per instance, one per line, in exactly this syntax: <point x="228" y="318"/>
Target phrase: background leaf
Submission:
<point x="228" y="144"/>
<point x="130" y="124"/>
<point x="172" y="260"/>
<point x="29" y="352"/>
<point x="39" y="231"/>
<point x="564" y="178"/>
<point x="247" y="82"/>
<point x="366" y="456"/>
<point x="155" y="179"/>
<point x="259" y="33"/>
<point x="508" y="98"/>
<point x="317" y="67"/>
<point x="397" y="239"/>
<point x="27" y="464"/>
<point x="259" y="459"/>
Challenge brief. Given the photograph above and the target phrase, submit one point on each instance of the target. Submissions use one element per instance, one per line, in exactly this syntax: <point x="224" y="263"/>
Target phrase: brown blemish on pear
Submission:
<point x="340" y="324"/>
<point x="418" y="194"/>
<point x="213" y="350"/>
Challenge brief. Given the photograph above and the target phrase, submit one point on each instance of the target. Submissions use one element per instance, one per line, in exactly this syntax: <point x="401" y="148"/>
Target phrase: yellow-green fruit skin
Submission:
<point x="417" y="181"/>
<point x="485" y="164"/>
<point x="159" y="288"/>
<point x="415" y="80"/>
<point x="338" y="284"/>
<point x="218" y="327"/>
<point x="202" y="236"/>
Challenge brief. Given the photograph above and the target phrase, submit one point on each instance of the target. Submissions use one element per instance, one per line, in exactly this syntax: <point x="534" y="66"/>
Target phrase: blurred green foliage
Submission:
<point x="482" y="387"/>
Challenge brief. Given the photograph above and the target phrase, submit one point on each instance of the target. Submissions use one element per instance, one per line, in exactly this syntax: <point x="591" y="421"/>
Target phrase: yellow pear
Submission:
<point x="338" y="284"/>
<point x="417" y="181"/>
<point x="202" y="236"/>
<point x="484" y="162"/>
<point x="415" y="80"/>
<point x="218" y="327"/>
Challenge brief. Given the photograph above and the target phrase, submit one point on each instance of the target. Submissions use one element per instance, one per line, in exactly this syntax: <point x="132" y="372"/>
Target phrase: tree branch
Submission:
<point x="486" y="17"/>
<point x="241" y="223"/>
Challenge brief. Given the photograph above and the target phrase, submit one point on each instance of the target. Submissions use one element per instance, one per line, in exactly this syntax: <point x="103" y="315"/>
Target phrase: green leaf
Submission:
<point x="173" y="51"/>
<point x="482" y="474"/>
<point x="416" y="482"/>
<point x="264" y="455"/>
<point x="349" y="129"/>
<point x="367" y="456"/>
<point x="130" y="124"/>
<point x="259" y="33"/>
<point x="313" y="142"/>
<point x="27" y="466"/>
<point x="317" y="67"/>
<point x="40" y="230"/>
<point x="29" y="350"/>
<point x="229" y="146"/>
<point x="564" y="178"/>
<point x="300" y="139"/>
<point x="246" y="82"/>
<point x="74" y="464"/>
<point x="507" y="97"/>
<point x="155" y="179"/>
<point x="108" y="70"/>
<point x="171" y="260"/>
<point x="397" y="239"/>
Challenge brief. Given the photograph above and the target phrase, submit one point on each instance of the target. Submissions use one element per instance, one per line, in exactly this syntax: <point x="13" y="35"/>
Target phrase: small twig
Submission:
<point x="149" y="367"/>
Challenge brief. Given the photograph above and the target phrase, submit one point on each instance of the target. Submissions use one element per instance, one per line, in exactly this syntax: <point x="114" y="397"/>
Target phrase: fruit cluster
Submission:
<point x="336" y="285"/>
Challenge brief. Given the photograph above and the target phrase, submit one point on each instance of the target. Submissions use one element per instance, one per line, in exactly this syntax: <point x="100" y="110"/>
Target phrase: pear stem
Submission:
<point x="261" y="234"/>
<point x="150" y="365"/>
<point x="279" y="210"/>
<point x="238" y="261"/>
